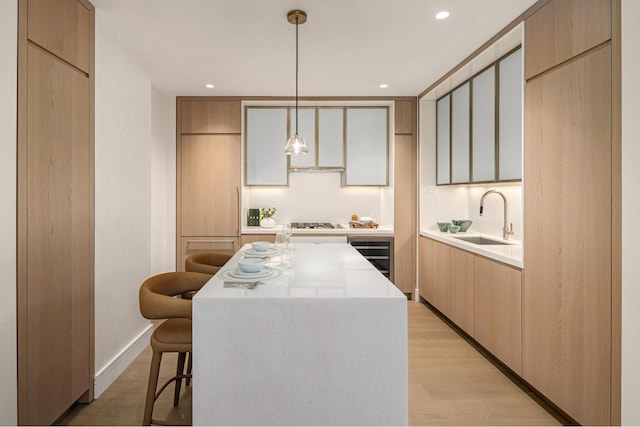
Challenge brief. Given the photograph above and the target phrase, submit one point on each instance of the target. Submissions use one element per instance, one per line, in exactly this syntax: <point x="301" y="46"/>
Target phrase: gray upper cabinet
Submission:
<point x="307" y="129"/>
<point x="510" y="127"/>
<point x="483" y="135"/>
<point x="460" y="134"/>
<point x="330" y="137"/>
<point x="265" y="139"/>
<point x="479" y="126"/>
<point x="443" y="140"/>
<point x="367" y="146"/>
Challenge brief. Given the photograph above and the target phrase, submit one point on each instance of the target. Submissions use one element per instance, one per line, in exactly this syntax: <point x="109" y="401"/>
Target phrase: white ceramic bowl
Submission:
<point x="251" y="265"/>
<point x="366" y="219"/>
<point x="261" y="246"/>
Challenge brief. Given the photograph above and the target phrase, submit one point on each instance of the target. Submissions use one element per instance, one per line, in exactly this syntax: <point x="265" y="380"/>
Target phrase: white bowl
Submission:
<point x="261" y="246"/>
<point x="366" y="219"/>
<point x="251" y="265"/>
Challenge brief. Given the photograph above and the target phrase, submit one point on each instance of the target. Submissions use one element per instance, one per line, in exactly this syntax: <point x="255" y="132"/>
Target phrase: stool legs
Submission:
<point x="189" y="367"/>
<point x="151" y="387"/>
<point x="179" y="372"/>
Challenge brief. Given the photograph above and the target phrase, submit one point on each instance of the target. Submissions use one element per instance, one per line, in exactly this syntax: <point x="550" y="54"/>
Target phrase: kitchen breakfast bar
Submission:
<point x="321" y="343"/>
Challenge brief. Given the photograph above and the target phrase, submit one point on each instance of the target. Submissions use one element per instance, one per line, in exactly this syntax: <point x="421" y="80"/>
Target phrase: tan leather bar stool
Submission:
<point x="207" y="263"/>
<point x="157" y="301"/>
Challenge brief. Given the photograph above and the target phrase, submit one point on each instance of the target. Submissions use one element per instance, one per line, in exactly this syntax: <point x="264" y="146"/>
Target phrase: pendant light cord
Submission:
<point x="297" y="18"/>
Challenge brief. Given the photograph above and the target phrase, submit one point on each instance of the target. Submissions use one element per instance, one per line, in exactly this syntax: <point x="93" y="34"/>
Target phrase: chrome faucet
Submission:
<point x="506" y="231"/>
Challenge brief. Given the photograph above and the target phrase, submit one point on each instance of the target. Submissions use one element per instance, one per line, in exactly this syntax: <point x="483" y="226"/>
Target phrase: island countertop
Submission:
<point x="323" y="343"/>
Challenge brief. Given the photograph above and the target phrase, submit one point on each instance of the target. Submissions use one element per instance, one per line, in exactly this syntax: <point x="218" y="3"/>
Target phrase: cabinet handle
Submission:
<point x="237" y="211"/>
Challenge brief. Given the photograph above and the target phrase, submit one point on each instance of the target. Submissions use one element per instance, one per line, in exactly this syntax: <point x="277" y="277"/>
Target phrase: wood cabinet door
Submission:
<point x="55" y="256"/>
<point x="563" y="29"/>
<point x="209" y="185"/>
<point x="462" y="295"/>
<point x="436" y="274"/>
<point x="210" y="116"/>
<point x="567" y="252"/>
<point x="497" y="310"/>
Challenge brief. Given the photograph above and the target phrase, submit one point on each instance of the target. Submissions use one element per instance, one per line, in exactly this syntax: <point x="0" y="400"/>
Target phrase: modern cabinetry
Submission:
<point x="367" y="146"/>
<point x="323" y="129"/>
<point x="497" y="310"/>
<point x="55" y="246"/>
<point x="208" y="177"/>
<point x="481" y="296"/>
<point x="265" y="138"/>
<point x="435" y="274"/>
<point x="462" y="290"/>
<point x="404" y="189"/>
<point x="568" y="187"/>
<point x="479" y="126"/>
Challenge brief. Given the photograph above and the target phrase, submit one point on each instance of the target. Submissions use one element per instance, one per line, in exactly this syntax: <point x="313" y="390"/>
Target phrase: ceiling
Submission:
<point x="347" y="47"/>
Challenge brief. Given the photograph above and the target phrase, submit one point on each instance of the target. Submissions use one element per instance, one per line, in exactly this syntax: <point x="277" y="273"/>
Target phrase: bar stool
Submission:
<point x="157" y="301"/>
<point x="207" y="262"/>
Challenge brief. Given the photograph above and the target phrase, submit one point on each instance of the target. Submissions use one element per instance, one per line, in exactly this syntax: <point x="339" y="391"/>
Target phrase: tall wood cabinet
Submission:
<point x="208" y="176"/>
<point x="567" y="333"/>
<point x="55" y="208"/>
<point x="404" y="187"/>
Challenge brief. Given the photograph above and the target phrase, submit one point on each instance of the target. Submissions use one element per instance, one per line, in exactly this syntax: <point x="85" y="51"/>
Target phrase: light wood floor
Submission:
<point x="450" y="383"/>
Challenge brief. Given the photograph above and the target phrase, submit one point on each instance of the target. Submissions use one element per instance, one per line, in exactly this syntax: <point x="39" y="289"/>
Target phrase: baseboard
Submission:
<point x="118" y="364"/>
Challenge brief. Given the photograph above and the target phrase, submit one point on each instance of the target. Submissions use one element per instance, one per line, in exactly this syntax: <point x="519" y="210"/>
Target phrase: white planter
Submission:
<point x="267" y="223"/>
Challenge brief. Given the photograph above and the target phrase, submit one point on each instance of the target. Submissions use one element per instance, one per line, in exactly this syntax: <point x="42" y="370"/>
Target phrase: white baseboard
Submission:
<point x="118" y="364"/>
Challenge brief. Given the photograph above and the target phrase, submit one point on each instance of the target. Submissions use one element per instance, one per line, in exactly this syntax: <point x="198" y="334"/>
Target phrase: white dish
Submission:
<point x="252" y="252"/>
<point x="251" y="264"/>
<point x="236" y="274"/>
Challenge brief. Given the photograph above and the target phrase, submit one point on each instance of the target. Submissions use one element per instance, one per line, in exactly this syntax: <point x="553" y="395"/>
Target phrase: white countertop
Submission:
<point x="335" y="270"/>
<point x="510" y="253"/>
<point x="341" y="231"/>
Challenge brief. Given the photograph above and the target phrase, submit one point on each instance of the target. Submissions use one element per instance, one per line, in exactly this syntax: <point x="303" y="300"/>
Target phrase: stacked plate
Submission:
<point x="265" y="274"/>
<point x="253" y="253"/>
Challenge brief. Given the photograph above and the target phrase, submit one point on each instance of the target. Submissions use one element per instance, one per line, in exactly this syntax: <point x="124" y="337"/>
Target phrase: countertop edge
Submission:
<point x="321" y="231"/>
<point x="448" y="239"/>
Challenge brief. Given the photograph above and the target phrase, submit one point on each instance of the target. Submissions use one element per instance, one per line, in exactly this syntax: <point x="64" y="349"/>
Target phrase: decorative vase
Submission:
<point x="267" y="223"/>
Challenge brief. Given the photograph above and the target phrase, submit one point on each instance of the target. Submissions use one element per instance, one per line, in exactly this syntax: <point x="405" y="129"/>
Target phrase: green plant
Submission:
<point x="268" y="212"/>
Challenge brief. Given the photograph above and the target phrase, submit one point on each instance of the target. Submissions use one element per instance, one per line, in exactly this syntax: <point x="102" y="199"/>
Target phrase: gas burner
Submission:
<point x="312" y="225"/>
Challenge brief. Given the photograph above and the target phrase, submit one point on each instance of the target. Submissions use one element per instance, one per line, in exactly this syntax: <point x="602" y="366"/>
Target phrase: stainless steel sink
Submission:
<point x="477" y="240"/>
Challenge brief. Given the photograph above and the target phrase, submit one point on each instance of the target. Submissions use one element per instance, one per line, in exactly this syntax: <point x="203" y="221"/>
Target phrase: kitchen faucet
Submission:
<point x="506" y="231"/>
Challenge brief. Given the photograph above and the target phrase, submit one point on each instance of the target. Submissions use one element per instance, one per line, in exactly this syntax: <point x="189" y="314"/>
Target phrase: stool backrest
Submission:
<point x="157" y="294"/>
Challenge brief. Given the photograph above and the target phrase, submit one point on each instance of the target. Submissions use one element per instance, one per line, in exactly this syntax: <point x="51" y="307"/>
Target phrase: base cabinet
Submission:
<point x="481" y="296"/>
<point x="497" y="309"/>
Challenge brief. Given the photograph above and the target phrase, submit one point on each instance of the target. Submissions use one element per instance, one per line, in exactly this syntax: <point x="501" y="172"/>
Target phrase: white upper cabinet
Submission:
<point x="331" y="137"/>
<point x="479" y="126"/>
<point x="460" y="134"/>
<point x="483" y="135"/>
<point x="367" y="146"/>
<point x="510" y="127"/>
<point x="443" y="140"/>
<point x="265" y="139"/>
<point x="306" y="129"/>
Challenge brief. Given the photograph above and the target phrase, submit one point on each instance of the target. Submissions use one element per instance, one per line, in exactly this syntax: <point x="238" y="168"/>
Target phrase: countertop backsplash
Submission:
<point x="320" y="197"/>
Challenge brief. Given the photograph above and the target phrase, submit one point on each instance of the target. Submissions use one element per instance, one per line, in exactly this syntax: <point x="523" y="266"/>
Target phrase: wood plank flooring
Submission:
<point x="450" y="383"/>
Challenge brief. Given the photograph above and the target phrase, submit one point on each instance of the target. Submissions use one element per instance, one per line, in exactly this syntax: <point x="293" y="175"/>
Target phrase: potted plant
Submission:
<point x="266" y="217"/>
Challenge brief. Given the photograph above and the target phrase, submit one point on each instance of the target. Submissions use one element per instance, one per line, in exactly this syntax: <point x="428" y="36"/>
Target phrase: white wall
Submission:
<point x="319" y="197"/>
<point x="630" y="214"/>
<point x="124" y="154"/>
<point x="163" y="182"/>
<point x="8" y="113"/>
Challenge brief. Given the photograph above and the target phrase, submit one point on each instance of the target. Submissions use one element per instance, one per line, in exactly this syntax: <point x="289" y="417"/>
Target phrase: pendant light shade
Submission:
<point x="296" y="144"/>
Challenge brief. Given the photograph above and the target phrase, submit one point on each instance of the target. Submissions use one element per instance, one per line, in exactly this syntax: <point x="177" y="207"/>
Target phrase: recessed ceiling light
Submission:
<point x="442" y="15"/>
<point x="384" y="86"/>
<point x="210" y="86"/>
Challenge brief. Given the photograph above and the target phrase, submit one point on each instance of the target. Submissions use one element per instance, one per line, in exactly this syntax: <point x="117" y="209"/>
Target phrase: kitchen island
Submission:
<point x="323" y="343"/>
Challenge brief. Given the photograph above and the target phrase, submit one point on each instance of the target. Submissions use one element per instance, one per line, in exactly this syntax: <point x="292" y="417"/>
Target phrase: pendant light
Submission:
<point x="296" y="144"/>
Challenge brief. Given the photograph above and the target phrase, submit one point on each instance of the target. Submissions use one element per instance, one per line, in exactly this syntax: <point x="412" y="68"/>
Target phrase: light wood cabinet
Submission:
<point x="567" y="200"/>
<point x="435" y="274"/>
<point x="562" y="30"/>
<point x="462" y="290"/>
<point x="497" y="310"/>
<point x="64" y="28"/>
<point x="208" y="177"/>
<point x="249" y="238"/>
<point x="405" y="179"/>
<point x="210" y="116"/>
<point x="55" y="235"/>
